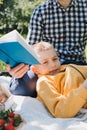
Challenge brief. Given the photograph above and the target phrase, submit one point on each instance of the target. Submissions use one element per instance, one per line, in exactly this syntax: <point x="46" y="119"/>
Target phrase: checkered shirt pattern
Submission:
<point x="65" y="29"/>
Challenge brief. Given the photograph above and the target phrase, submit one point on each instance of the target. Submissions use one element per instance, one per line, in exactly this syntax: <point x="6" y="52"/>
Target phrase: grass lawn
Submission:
<point x="2" y="66"/>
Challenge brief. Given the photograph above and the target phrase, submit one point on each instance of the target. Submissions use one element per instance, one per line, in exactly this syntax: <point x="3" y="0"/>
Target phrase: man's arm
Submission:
<point x="25" y="86"/>
<point x="23" y="81"/>
<point x="36" y="27"/>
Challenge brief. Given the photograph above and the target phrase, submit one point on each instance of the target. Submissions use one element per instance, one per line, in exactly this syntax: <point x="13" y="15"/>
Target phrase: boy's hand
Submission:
<point x="18" y="71"/>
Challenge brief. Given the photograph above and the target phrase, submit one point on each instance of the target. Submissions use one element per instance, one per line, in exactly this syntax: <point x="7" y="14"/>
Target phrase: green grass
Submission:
<point x="2" y="66"/>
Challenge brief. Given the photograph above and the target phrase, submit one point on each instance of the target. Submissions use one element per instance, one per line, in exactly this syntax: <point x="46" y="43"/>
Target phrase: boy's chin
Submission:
<point x="54" y="72"/>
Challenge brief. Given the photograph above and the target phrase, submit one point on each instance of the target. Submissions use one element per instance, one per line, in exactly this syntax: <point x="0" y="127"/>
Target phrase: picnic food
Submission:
<point x="9" y="120"/>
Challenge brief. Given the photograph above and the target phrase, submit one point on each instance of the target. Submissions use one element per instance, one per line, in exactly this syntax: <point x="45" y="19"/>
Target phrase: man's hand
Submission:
<point x="18" y="71"/>
<point x="3" y="98"/>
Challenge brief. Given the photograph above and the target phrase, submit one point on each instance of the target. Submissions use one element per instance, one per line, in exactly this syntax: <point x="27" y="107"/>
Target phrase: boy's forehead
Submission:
<point x="47" y="54"/>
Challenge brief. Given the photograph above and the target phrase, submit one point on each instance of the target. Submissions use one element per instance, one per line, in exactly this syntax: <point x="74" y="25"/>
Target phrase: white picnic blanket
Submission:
<point x="37" y="117"/>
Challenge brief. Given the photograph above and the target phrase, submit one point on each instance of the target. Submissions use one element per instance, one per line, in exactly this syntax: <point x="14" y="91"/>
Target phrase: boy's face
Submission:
<point x="49" y="62"/>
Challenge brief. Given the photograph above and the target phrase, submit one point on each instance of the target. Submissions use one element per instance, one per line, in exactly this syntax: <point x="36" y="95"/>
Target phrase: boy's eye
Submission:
<point x="45" y="62"/>
<point x="55" y="59"/>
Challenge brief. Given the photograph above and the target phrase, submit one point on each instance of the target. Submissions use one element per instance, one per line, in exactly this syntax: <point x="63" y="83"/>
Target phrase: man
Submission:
<point x="63" y="23"/>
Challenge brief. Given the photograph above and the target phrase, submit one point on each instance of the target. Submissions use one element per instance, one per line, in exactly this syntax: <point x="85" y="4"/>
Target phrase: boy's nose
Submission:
<point x="52" y="64"/>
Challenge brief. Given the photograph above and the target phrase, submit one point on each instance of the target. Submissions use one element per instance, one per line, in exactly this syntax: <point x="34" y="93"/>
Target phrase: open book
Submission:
<point x="14" y="50"/>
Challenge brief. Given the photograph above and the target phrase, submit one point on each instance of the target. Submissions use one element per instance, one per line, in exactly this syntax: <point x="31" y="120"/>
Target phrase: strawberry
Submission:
<point x="2" y="128"/>
<point x="11" y="120"/>
<point x="11" y="114"/>
<point x="9" y="126"/>
<point x="2" y="122"/>
<point x="8" y="119"/>
<point x="16" y="115"/>
<point x="17" y="120"/>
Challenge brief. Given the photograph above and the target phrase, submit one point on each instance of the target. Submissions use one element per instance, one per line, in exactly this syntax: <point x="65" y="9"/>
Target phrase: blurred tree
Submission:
<point x="15" y="14"/>
<point x="6" y="15"/>
<point x="1" y="1"/>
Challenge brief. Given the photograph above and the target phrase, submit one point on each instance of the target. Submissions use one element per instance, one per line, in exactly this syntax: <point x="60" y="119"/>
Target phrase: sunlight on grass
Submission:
<point x="2" y="66"/>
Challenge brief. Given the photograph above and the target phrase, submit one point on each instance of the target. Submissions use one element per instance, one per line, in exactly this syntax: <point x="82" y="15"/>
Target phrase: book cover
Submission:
<point x="15" y="50"/>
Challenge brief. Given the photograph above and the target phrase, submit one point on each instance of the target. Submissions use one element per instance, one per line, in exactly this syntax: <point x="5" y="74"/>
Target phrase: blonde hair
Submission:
<point x="42" y="46"/>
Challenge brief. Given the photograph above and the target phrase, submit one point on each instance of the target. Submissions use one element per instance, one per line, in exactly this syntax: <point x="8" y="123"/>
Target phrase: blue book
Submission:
<point x="15" y="50"/>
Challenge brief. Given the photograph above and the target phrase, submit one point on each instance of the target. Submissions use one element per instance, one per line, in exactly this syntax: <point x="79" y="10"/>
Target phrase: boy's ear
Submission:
<point x="34" y="69"/>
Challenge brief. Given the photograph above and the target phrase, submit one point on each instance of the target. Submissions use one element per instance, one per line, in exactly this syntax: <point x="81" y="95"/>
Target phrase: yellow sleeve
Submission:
<point x="59" y="105"/>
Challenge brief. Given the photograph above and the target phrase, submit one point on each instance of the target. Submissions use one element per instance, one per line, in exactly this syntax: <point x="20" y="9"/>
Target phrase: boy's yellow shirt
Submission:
<point x="63" y="93"/>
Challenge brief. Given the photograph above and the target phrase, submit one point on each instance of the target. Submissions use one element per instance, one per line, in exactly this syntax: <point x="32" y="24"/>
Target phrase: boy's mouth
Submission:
<point x="54" y="71"/>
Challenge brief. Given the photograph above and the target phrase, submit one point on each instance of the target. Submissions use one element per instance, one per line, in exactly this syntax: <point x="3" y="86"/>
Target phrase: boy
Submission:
<point x="61" y="88"/>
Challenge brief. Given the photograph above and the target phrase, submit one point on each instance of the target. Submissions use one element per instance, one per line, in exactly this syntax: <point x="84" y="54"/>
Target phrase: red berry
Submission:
<point x="11" y="114"/>
<point x="9" y="126"/>
<point x="16" y="115"/>
<point x="17" y="120"/>
<point x="11" y="120"/>
<point x="2" y="122"/>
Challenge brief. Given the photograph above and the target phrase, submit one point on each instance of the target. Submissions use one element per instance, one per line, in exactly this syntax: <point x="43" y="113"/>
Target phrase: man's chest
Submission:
<point x="60" y="23"/>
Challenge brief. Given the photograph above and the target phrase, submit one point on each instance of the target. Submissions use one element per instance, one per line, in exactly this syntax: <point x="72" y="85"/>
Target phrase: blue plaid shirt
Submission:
<point x="65" y="29"/>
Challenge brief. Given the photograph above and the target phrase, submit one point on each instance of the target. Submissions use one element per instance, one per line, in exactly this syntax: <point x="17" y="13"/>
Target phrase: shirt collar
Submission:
<point x="74" y="2"/>
<point x="57" y="5"/>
